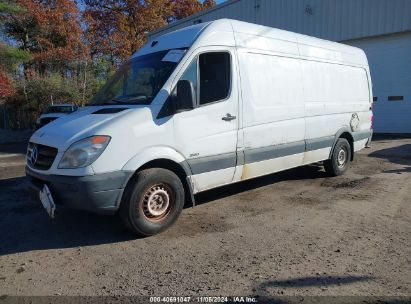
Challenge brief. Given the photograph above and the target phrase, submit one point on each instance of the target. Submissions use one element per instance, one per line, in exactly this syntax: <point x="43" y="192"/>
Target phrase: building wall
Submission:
<point x="336" y="20"/>
<point x="389" y="57"/>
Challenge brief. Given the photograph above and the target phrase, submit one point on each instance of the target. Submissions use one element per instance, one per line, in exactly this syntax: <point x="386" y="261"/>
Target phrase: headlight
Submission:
<point x="84" y="152"/>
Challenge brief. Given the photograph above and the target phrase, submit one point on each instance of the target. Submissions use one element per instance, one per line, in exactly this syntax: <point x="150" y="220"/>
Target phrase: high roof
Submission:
<point x="252" y="36"/>
<point x="185" y="37"/>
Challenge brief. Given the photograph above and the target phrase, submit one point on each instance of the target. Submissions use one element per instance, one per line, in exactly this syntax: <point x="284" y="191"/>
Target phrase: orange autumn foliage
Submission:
<point x="6" y="86"/>
<point x="185" y="8"/>
<point x="49" y="29"/>
<point x="119" y="28"/>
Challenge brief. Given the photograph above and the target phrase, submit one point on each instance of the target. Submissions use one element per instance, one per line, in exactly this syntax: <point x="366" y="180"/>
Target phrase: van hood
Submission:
<point x="83" y="123"/>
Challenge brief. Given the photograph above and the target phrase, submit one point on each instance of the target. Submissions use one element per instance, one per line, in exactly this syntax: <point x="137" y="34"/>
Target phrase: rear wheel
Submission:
<point x="340" y="159"/>
<point x="152" y="202"/>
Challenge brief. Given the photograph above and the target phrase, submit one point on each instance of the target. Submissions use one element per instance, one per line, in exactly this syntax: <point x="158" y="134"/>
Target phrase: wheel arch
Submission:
<point x="166" y="158"/>
<point x="344" y="133"/>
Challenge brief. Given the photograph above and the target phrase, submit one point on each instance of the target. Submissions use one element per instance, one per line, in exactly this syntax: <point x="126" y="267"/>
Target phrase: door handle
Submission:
<point x="228" y="117"/>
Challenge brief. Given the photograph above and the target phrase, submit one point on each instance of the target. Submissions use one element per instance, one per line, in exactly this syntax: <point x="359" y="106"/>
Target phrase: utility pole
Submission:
<point x="84" y="84"/>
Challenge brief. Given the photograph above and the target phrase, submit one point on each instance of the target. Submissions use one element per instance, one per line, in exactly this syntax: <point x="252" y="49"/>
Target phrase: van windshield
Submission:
<point x="137" y="81"/>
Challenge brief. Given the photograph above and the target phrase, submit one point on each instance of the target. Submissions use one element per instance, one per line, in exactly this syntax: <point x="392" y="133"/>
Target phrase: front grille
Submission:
<point x="40" y="157"/>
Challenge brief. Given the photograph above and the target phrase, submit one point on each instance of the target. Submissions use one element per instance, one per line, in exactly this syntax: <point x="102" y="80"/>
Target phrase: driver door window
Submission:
<point x="215" y="77"/>
<point x="210" y="74"/>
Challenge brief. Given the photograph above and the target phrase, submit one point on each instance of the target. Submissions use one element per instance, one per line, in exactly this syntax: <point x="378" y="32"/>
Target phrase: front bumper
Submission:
<point x="100" y="193"/>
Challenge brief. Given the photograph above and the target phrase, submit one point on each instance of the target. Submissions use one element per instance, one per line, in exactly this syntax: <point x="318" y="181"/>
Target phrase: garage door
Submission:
<point x="390" y="63"/>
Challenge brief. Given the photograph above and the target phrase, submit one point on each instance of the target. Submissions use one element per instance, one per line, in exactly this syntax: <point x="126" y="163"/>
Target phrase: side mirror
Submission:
<point x="185" y="96"/>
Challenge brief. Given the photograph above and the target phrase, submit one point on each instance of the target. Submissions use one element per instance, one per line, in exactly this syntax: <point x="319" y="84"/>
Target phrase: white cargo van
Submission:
<point x="206" y="106"/>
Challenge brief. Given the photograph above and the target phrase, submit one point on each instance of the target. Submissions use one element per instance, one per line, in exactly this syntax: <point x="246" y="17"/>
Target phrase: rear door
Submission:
<point x="207" y="135"/>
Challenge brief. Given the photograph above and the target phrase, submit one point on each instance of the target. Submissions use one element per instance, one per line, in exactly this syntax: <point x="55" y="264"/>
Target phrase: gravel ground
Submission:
<point x="294" y="233"/>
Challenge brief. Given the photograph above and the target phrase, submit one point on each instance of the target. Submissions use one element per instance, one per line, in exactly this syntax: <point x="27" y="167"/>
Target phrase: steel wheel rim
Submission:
<point x="158" y="201"/>
<point x="342" y="158"/>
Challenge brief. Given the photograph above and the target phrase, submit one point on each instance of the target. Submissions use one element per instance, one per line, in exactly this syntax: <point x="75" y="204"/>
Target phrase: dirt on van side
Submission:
<point x="298" y="232"/>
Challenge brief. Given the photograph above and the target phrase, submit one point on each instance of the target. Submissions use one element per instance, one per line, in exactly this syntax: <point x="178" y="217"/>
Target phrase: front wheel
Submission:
<point x="340" y="158"/>
<point x="152" y="201"/>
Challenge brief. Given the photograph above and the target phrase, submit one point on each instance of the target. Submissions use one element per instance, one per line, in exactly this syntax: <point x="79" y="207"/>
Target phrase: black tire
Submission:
<point x="152" y="201"/>
<point x="340" y="158"/>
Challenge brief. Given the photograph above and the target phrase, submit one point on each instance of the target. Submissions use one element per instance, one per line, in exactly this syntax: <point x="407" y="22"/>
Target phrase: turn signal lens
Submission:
<point x="99" y="139"/>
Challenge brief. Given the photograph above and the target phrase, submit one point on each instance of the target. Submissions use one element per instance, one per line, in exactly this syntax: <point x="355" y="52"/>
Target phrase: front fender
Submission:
<point x="154" y="153"/>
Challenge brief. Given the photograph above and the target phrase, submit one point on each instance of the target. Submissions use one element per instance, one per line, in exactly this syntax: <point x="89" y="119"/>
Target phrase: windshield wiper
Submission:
<point x="122" y="101"/>
<point x="105" y="104"/>
<point x="130" y="99"/>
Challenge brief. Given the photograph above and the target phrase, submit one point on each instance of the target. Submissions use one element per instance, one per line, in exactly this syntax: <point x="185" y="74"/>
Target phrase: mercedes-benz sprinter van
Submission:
<point x="202" y="107"/>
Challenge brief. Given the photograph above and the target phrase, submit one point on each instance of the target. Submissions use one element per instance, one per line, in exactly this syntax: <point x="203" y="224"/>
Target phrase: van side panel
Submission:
<point x="334" y="88"/>
<point x="273" y="112"/>
<point x="333" y="93"/>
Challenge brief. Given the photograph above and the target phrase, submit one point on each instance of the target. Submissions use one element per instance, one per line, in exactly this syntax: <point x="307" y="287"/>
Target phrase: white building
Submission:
<point x="381" y="27"/>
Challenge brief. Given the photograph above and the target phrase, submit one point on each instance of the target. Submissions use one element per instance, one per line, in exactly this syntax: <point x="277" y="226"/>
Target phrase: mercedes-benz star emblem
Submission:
<point x="33" y="155"/>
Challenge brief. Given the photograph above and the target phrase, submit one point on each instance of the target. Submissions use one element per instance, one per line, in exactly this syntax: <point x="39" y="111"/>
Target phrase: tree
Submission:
<point x="48" y="37"/>
<point x="10" y="57"/>
<point x="9" y="8"/>
<point x="185" y="8"/>
<point x="6" y="86"/>
<point x="116" y="29"/>
<point x="43" y="91"/>
<point x="50" y="30"/>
